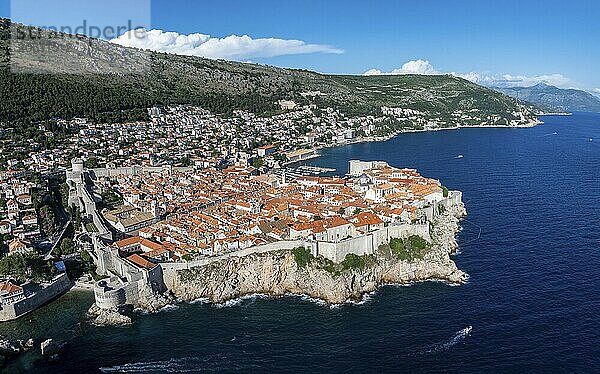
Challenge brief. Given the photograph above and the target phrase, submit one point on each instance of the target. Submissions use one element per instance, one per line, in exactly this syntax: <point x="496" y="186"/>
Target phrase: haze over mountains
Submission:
<point x="554" y="98"/>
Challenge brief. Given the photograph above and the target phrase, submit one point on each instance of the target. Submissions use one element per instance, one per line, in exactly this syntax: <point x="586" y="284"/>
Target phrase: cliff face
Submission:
<point x="278" y="274"/>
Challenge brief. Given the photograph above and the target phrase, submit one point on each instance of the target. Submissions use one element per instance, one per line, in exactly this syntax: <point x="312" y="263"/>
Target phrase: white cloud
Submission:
<point x="422" y="67"/>
<point x="372" y="72"/>
<point x="232" y="47"/>
<point x="472" y="76"/>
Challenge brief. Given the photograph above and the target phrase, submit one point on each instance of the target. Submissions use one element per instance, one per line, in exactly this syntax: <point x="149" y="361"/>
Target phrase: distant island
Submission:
<point x="555" y="99"/>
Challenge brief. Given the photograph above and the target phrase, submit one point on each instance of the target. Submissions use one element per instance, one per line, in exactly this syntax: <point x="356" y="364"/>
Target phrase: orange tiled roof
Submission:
<point x="9" y="287"/>
<point x="141" y="262"/>
<point x="364" y="219"/>
<point x="128" y="242"/>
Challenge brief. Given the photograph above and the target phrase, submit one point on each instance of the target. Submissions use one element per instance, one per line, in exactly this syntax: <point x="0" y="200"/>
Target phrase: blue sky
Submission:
<point x="530" y="40"/>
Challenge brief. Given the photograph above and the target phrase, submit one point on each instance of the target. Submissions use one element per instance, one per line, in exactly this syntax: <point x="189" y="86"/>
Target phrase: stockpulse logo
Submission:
<point x="72" y="36"/>
<point x="84" y="49"/>
<point x="85" y="30"/>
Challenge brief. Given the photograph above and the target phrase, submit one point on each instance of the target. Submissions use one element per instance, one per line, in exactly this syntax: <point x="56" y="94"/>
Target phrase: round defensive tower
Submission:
<point x="77" y="165"/>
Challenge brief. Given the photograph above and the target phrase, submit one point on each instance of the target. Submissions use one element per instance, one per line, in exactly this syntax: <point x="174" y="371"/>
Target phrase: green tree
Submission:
<point x="23" y="267"/>
<point x="67" y="247"/>
<point x="417" y="243"/>
<point x="86" y="257"/>
<point x="64" y="194"/>
<point x="302" y="256"/>
<point x="4" y="239"/>
<point x="48" y="219"/>
<point x="356" y="262"/>
<point x="399" y="249"/>
<point x="92" y="163"/>
<point x="111" y="198"/>
<point x="258" y="162"/>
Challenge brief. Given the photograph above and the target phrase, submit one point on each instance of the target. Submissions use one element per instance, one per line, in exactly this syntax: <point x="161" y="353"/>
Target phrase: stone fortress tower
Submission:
<point x="75" y="180"/>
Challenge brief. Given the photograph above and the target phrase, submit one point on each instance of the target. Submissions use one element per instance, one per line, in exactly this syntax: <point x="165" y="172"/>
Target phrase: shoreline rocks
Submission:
<point x="9" y="350"/>
<point x="277" y="274"/>
<point x="152" y="302"/>
<point x="109" y="317"/>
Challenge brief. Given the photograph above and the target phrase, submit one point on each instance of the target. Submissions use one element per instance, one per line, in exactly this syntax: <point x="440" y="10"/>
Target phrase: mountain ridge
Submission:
<point x="554" y="98"/>
<point x="78" y="85"/>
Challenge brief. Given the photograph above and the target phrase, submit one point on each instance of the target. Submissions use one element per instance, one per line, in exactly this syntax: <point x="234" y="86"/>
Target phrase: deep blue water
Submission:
<point x="532" y="298"/>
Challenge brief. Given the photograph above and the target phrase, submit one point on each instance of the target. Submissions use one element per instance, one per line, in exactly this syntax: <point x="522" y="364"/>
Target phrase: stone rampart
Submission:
<point x="59" y="285"/>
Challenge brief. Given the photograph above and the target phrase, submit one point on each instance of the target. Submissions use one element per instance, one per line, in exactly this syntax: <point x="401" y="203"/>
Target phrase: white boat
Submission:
<point x="460" y="156"/>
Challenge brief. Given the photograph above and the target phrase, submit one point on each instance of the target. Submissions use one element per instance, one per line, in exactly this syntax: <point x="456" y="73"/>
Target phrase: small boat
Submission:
<point x="460" y="156"/>
<point x="555" y="133"/>
<point x="591" y="140"/>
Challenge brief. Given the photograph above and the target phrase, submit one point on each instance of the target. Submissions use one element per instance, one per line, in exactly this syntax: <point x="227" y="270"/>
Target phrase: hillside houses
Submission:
<point x="18" y="217"/>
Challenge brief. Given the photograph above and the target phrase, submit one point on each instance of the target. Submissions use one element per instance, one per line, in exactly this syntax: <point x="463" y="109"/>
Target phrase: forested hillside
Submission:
<point x="80" y="82"/>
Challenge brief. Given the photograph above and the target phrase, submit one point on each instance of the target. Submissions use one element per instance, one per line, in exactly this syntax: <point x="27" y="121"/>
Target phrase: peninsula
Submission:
<point x="167" y="178"/>
<point x="212" y="234"/>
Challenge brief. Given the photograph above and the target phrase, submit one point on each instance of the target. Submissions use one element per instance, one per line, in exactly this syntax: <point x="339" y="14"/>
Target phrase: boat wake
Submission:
<point x="553" y="134"/>
<point x="458" y="338"/>
<point x="182" y="365"/>
<point x="215" y="362"/>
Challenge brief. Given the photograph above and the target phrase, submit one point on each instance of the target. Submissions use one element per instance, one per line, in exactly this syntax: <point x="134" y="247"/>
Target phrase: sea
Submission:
<point x="531" y="245"/>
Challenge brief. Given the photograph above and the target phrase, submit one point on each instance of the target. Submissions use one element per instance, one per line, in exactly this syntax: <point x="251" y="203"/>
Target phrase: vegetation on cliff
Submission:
<point x="355" y="262"/>
<point x="410" y="249"/>
<point x="283" y="272"/>
<point x="302" y="256"/>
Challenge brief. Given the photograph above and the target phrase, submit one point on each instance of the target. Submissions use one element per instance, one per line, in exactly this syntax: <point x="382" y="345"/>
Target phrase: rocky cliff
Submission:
<point x="278" y="274"/>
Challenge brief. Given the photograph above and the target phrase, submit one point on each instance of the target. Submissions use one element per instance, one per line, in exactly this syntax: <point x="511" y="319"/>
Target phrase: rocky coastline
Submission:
<point x="10" y="349"/>
<point x="277" y="274"/>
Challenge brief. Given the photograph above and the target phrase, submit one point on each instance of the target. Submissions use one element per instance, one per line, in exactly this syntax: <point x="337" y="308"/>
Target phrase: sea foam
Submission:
<point x="458" y="338"/>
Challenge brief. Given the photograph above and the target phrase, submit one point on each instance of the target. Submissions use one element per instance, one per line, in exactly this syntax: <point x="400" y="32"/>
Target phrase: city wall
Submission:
<point x="59" y="285"/>
<point x="368" y="244"/>
<point x="454" y="198"/>
<point x="336" y="252"/>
